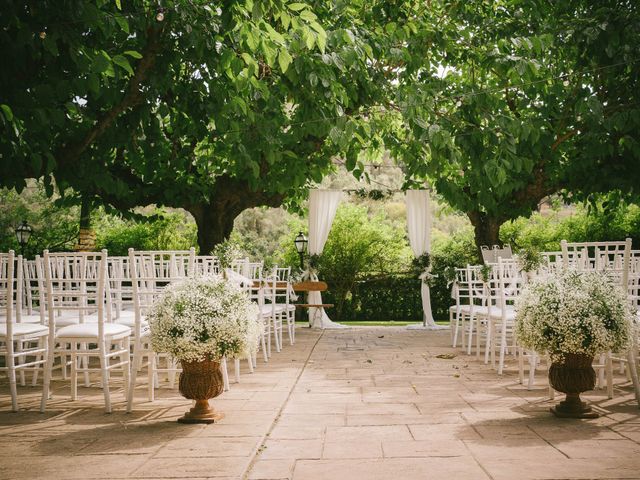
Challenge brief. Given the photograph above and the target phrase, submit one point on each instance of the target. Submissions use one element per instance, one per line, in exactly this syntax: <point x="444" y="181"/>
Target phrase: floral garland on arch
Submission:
<point x="422" y="265"/>
<point x="204" y="318"/>
<point x="573" y="312"/>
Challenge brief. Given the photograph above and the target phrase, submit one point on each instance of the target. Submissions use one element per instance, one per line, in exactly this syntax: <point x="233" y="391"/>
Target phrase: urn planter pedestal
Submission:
<point x="572" y="377"/>
<point x="201" y="381"/>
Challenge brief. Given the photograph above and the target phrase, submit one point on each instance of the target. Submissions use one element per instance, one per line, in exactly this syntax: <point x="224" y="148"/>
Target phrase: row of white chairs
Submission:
<point x="62" y="309"/>
<point x="483" y="317"/>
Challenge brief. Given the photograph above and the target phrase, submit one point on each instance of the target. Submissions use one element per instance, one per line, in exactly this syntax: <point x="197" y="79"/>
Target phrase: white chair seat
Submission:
<point x="125" y="314"/>
<point x="24" y="318"/>
<point x="90" y="331"/>
<point x="494" y="312"/>
<point x="267" y="310"/>
<point x="24" y="329"/>
<point x="131" y="322"/>
<point x="463" y="309"/>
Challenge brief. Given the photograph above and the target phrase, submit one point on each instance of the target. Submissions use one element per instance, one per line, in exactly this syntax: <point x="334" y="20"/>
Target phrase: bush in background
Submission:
<point x="162" y="231"/>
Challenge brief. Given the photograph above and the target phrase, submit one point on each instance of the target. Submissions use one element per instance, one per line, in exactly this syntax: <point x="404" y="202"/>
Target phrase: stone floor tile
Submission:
<point x="444" y="432"/>
<point x="459" y="468"/>
<point x="209" y="447"/>
<point x="361" y="449"/>
<point x="272" y="470"/>
<point x="188" y="467"/>
<point x="379" y="432"/>
<point x="514" y="448"/>
<point x="286" y="449"/>
<point x="424" y="448"/>
<point x="585" y="448"/>
<point x="281" y="432"/>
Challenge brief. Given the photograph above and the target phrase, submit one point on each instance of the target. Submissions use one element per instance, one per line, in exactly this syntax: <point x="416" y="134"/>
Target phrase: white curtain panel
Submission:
<point x="419" y="226"/>
<point x="323" y="205"/>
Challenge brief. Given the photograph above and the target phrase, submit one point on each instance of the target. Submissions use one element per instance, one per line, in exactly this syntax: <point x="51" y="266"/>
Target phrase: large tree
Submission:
<point x="506" y="102"/>
<point x="213" y="108"/>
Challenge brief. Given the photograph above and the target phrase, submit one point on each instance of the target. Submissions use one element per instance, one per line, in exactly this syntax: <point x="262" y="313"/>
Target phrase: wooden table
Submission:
<point x="311" y="286"/>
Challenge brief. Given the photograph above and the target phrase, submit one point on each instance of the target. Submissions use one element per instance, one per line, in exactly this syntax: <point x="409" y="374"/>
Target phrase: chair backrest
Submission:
<point x="76" y="282"/>
<point x="150" y="272"/>
<point x="491" y="255"/>
<point x="207" y="265"/>
<point x="33" y="302"/>
<point x="282" y="274"/>
<point x="8" y="288"/>
<point x="510" y="281"/>
<point x="479" y="287"/>
<point x="119" y="284"/>
<point x="611" y="258"/>
<point x="461" y="288"/>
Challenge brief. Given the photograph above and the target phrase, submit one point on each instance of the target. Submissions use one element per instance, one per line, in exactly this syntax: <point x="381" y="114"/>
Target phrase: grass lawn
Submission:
<point x="380" y="323"/>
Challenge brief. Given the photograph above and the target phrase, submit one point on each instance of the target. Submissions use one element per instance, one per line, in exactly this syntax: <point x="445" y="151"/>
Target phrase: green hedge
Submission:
<point x="385" y="298"/>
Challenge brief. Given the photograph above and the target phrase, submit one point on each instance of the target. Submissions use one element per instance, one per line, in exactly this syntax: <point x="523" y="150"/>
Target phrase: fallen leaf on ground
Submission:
<point x="446" y="356"/>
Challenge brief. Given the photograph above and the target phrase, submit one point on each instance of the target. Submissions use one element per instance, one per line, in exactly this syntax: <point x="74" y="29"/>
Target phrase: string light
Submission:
<point x="160" y="15"/>
<point x="43" y="35"/>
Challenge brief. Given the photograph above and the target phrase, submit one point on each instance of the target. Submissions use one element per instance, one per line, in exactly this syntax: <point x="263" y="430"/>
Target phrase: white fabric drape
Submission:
<point x="323" y="205"/>
<point x="419" y="226"/>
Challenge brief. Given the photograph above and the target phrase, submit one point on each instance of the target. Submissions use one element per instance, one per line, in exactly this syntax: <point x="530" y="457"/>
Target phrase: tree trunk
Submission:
<point x="215" y="224"/>
<point x="230" y="197"/>
<point x="86" y="235"/>
<point x="486" y="229"/>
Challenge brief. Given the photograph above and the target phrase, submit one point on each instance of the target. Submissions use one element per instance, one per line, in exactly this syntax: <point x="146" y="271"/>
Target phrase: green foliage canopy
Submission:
<point x="506" y="102"/>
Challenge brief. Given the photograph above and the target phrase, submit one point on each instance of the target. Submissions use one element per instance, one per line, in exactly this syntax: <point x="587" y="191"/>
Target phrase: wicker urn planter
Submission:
<point x="572" y="377"/>
<point x="201" y="381"/>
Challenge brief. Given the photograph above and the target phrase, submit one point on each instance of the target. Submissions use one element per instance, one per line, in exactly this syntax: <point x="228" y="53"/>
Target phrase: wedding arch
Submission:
<point x="323" y="205"/>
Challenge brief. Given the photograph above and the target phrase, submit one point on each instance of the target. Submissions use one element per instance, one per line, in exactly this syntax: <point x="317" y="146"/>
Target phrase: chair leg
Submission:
<point x="633" y="370"/>
<point x="225" y="374"/>
<point x="85" y="366"/>
<point x="521" y="365"/>
<point x="46" y="381"/>
<point x="609" y="374"/>
<point x="263" y="344"/>
<point x="533" y="364"/>
<point x="21" y="359"/>
<point x="104" y="365"/>
<point x="74" y="372"/>
<point x="503" y="348"/>
<point x="470" y="335"/>
<point x="126" y="365"/>
<point x="135" y="367"/>
<point x="151" y="376"/>
<point x="250" y="363"/>
<point x="11" y="371"/>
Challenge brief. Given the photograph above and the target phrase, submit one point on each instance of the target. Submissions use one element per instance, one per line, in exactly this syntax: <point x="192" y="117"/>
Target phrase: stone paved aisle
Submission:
<point x="365" y="403"/>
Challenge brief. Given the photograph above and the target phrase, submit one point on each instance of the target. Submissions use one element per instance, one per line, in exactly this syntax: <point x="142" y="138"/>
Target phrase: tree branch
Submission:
<point x="132" y="97"/>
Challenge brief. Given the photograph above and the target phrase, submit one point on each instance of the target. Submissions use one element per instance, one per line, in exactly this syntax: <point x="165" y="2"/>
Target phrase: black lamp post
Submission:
<point x="301" y="246"/>
<point x="23" y="234"/>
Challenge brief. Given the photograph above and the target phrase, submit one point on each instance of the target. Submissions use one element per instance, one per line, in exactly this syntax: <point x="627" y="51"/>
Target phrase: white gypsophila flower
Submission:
<point x="204" y="318"/>
<point x="573" y="312"/>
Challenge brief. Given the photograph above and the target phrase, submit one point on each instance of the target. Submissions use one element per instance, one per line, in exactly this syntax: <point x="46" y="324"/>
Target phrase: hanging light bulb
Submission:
<point x="160" y="14"/>
<point x="43" y="35"/>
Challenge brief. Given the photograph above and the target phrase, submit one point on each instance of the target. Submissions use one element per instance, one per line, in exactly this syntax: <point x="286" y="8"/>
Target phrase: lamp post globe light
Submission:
<point x="301" y="246"/>
<point x="23" y="234"/>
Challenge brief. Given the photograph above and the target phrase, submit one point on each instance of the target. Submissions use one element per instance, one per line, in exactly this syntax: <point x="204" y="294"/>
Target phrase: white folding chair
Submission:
<point x="207" y="265"/>
<point x="149" y="273"/>
<point x="459" y="313"/>
<point x="479" y="296"/>
<point x="23" y="345"/>
<point x="613" y="259"/>
<point x="505" y="286"/>
<point x="76" y="282"/>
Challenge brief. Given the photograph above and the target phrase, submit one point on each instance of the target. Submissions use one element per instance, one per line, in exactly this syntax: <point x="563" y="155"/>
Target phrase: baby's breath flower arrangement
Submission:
<point x="573" y="312"/>
<point x="204" y="318"/>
